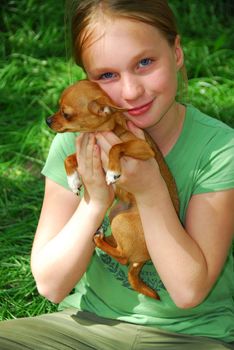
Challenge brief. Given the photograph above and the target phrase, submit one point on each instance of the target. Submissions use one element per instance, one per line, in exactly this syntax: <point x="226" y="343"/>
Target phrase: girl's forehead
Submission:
<point x="118" y="35"/>
<point x="95" y="30"/>
<point x="110" y="25"/>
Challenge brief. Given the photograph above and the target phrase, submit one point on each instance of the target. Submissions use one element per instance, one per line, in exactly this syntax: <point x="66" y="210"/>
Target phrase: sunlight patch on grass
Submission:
<point x="214" y="96"/>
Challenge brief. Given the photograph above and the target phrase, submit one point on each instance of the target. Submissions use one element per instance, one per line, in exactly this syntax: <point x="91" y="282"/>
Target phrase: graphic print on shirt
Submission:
<point x="148" y="273"/>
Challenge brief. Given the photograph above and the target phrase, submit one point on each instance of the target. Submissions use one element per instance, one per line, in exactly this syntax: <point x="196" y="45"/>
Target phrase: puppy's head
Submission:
<point x="84" y="107"/>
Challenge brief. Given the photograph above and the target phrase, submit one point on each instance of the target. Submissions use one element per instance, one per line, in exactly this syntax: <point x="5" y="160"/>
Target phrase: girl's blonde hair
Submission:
<point x="87" y="13"/>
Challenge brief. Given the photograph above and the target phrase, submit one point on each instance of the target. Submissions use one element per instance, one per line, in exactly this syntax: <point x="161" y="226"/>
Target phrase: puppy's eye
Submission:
<point x="65" y="115"/>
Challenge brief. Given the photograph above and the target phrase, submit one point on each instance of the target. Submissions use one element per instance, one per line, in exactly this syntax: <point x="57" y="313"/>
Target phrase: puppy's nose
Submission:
<point x="49" y="121"/>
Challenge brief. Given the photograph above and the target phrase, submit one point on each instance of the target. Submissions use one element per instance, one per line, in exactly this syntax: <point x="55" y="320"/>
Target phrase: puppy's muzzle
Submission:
<point x="49" y="121"/>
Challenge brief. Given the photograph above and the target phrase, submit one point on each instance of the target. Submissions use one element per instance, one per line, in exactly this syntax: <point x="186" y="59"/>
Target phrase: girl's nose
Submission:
<point x="131" y="87"/>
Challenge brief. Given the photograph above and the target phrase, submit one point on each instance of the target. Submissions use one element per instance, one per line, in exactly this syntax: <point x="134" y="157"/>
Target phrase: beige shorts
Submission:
<point x="70" y="329"/>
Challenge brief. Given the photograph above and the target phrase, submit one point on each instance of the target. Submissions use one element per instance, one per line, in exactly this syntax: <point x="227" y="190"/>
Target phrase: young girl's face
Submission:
<point x="134" y="64"/>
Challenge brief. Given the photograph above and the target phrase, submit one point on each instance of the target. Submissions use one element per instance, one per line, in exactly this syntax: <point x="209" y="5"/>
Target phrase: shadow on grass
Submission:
<point x="19" y="212"/>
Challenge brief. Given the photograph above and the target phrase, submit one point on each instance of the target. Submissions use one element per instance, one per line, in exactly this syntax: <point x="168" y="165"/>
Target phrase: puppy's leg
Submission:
<point x="73" y="177"/>
<point x="136" y="283"/>
<point x="139" y="149"/>
<point x="109" y="246"/>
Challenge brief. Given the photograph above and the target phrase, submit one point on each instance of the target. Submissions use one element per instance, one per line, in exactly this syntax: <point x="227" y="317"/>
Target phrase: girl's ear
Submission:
<point x="179" y="54"/>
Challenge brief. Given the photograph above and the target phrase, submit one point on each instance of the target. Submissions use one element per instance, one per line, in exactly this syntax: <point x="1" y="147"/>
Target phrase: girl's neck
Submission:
<point x="168" y="130"/>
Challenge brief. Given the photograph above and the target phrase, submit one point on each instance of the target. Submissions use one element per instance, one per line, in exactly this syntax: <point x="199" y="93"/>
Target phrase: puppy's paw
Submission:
<point x="74" y="182"/>
<point x="98" y="239"/>
<point x="112" y="177"/>
<point x="100" y="231"/>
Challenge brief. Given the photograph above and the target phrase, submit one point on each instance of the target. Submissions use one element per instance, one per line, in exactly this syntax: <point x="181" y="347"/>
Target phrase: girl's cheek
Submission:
<point x="113" y="90"/>
<point x="165" y="79"/>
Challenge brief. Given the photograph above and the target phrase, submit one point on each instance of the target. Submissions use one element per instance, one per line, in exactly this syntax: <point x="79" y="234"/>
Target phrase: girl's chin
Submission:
<point x="142" y="122"/>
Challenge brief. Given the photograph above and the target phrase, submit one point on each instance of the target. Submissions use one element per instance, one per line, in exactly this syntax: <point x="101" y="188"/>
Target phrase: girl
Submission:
<point x="133" y="51"/>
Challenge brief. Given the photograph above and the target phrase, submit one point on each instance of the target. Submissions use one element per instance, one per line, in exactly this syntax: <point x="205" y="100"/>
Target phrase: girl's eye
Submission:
<point x="107" y="75"/>
<point x="145" y="62"/>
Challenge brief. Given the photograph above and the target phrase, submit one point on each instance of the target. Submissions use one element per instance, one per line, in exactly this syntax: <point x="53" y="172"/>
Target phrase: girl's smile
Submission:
<point x="138" y="111"/>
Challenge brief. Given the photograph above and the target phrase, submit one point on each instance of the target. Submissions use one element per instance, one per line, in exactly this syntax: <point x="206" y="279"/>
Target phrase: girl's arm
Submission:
<point x="63" y="244"/>
<point x="188" y="258"/>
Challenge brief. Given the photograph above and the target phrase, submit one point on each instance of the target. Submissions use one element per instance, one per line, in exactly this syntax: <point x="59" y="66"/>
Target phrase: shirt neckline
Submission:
<point x="184" y="130"/>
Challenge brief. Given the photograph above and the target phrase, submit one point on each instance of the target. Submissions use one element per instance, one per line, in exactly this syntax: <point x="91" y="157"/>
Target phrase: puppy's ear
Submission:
<point x="103" y="107"/>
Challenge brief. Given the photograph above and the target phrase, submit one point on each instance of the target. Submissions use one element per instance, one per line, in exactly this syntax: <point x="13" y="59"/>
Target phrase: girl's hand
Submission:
<point x="137" y="176"/>
<point x="91" y="170"/>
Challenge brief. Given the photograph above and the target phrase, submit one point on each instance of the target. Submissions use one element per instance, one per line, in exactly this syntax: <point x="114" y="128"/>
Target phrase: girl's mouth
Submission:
<point x="140" y="110"/>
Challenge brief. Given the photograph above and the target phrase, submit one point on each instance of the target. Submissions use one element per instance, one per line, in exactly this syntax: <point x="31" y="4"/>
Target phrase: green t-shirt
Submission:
<point x="202" y="160"/>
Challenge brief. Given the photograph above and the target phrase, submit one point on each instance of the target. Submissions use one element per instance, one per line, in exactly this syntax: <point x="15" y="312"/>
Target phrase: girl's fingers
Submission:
<point x="106" y="140"/>
<point x="89" y="153"/>
<point x="104" y="159"/>
<point x="80" y="141"/>
<point x="111" y="137"/>
<point x="97" y="163"/>
<point x="84" y="151"/>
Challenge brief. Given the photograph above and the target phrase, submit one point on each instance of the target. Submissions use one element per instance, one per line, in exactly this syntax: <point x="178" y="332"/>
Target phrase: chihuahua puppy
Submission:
<point x="85" y="107"/>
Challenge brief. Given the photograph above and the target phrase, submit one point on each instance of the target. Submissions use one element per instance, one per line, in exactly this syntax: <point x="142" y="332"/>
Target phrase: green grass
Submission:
<point x="34" y="69"/>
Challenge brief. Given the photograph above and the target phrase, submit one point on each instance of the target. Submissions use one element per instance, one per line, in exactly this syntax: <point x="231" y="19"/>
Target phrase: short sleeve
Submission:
<point x="62" y="146"/>
<point x="216" y="167"/>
